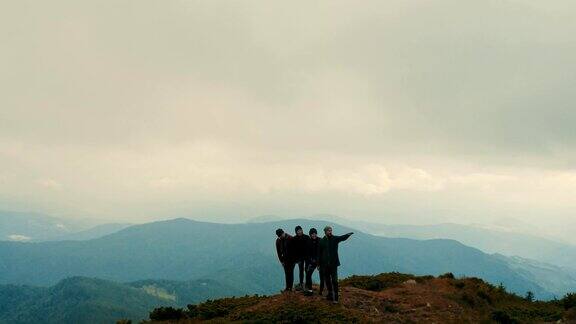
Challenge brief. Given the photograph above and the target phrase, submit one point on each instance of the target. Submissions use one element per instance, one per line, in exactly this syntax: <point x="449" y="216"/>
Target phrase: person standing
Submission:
<point x="329" y="261"/>
<point x="285" y="256"/>
<point x="299" y="244"/>
<point x="312" y="260"/>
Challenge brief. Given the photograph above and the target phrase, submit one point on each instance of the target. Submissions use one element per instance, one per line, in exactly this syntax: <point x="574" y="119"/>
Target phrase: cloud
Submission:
<point x="17" y="237"/>
<point x="50" y="184"/>
<point x="138" y="107"/>
<point x="430" y="76"/>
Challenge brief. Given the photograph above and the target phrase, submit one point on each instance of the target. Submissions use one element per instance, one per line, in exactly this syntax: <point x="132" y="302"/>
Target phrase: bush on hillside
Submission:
<point x="569" y="301"/>
<point x="124" y="321"/>
<point x="221" y="307"/>
<point x="502" y="317"/>
<point x="207" y="310"/>
<point x="485" y="296"/>
<point x="459" y="284"/>
<point x="570" y="315"/>
<point x="297" y="312"/>
<point x="167" y="313"/>
<point x="381" y="281"/>
<point x="447" y="275"/>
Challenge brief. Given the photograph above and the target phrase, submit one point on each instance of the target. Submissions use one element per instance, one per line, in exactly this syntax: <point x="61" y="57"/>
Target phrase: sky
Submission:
<point x="415" y="112"/>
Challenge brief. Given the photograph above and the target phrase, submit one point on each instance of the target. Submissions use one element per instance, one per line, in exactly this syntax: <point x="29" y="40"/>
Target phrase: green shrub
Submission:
<point x="484" y="295"/>
<point x="570" y="315"/>
<point x="167" y="313"/>
<point x="460" y="284"/>
<point x="447" y="275"/>
<point x="298" y="312"/>
<point x="502" y="317"/>
<point x="221" y="307"/>
<point x="381" y="281"/>
<point x="124" y="321"/>
<point x="569" y="300"/>
<point x="468" y="299"/>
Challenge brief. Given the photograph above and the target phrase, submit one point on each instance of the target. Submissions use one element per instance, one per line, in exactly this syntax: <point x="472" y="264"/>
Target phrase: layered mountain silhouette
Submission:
<point x="239" y="255"/>
<point x="34" y="227"/>
<point x="91" y="300"/>
<point x="486" y="239"/>
<point x="16" y="226"/>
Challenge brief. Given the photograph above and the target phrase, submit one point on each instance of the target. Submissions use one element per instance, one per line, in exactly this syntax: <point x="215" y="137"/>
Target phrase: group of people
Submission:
<point x="310" y="252"/>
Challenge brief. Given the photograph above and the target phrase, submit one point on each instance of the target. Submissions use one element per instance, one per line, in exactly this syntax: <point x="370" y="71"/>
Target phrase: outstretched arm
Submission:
<point x="344" y="237"/>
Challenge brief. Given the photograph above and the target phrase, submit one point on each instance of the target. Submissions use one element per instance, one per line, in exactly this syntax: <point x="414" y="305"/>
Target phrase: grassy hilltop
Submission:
<point x="388" y="297"/>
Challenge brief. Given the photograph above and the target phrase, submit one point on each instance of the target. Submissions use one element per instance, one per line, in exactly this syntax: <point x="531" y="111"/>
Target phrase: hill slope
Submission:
<point x="385" y="298"/>
<point x="88" y="300"/>
<point x="487" y="240"/>
<point x="75" y="300"/>
<point x="182" y="249"/>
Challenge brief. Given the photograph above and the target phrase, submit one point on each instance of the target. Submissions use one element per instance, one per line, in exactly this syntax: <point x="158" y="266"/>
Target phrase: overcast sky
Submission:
<point x="396" y="111"/>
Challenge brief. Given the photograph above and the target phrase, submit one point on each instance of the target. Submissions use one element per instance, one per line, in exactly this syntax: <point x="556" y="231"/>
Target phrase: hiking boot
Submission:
<point x="335" y="301"/>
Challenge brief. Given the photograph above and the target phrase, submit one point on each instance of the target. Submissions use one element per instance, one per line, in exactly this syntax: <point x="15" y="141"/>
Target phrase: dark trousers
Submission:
<point x="310" y="267"/>
<point x="289" y="274"/>
<point x="322" y="281"/>
<point x="331" y="279"/>
<point x="300" y="271"/>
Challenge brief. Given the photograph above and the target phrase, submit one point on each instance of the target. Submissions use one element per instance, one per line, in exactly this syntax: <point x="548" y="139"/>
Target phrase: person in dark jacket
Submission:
<point x="285" y="256"/>
<point x="299" y="244"/>
<point x="312" y="260"/>
<point x="329" y="261"/>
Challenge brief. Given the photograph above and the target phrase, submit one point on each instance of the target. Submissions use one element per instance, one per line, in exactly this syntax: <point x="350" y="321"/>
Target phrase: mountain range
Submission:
<point x="35" y="227"/>
<point x="239" y="255"/>
<point x="489" y="240"/>
<point x="123" y="271"/>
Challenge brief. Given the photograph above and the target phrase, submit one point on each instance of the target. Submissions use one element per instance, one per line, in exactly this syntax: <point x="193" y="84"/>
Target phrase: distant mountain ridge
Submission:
<point x="182" y="249"/>
<point x="488" y="240"/>
<point x="92" y="232"/>
<point x="34" y="227"/>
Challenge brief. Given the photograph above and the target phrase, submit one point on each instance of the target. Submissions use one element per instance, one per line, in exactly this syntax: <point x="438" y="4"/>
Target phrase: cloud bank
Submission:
<point x="432" y="110"/>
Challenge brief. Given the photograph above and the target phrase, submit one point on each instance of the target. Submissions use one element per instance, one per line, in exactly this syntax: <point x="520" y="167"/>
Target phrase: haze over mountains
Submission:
<point x="183" y="249"/>
<point x="181" y="261"/>
<point x="127" y="119"/>
<point x="18" y="226"/>
<point x="489" y="240"/>
<point x="33" y="227"/>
